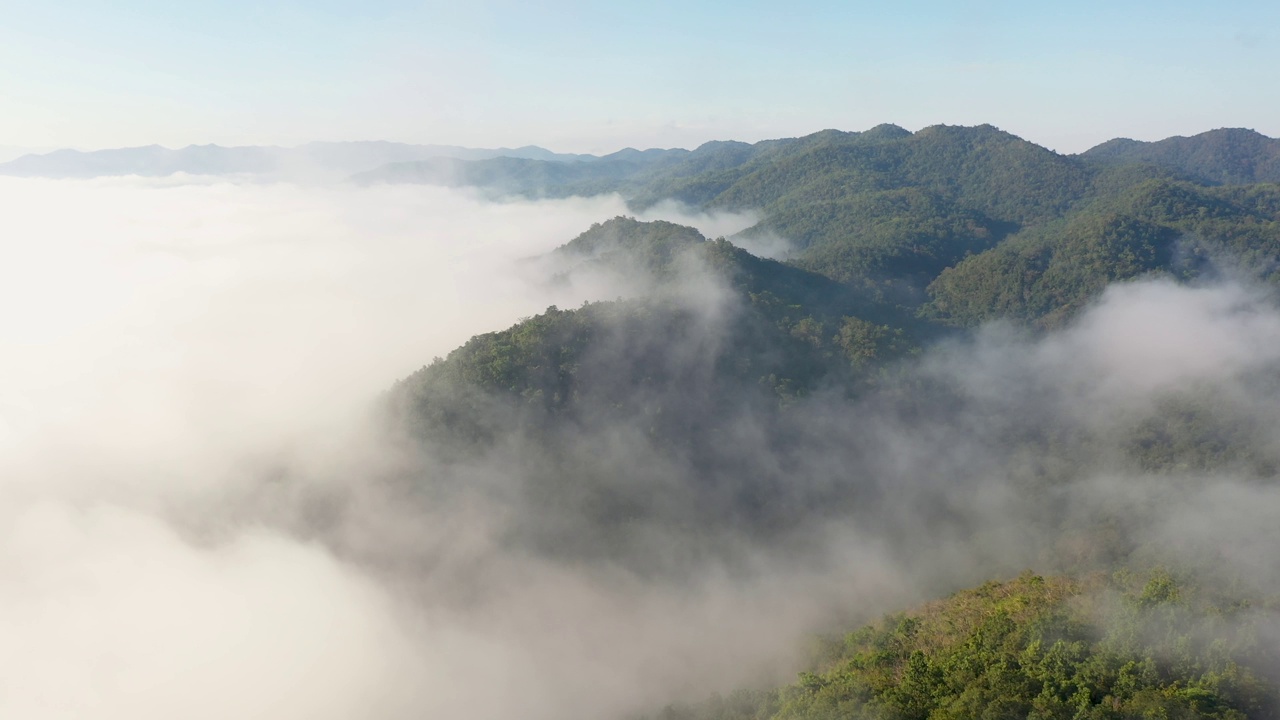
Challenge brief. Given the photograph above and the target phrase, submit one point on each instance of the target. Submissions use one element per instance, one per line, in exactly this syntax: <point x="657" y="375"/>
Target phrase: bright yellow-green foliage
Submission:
<point x="1037" y="647"/>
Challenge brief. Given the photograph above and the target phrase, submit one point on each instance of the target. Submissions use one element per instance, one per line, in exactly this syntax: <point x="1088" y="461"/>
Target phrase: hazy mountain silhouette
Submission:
<point x="325" y="159"/>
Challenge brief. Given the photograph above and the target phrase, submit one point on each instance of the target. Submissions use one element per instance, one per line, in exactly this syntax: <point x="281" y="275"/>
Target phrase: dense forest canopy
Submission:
<point x="973" y="361"/>
<point x="1034" y="647"/>
<point x="964" y="224"/>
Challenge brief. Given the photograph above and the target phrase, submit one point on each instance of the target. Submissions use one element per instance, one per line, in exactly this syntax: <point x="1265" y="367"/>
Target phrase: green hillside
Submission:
<point x="742" y="412"/>
<point x="1232" y="156"/>
<point x="808" y="371"/>
<point x="962" y="224"/>
<point x="1148" y="646"/>
<point x="1046" y="273"/>
<point x="677" y="372"/>
<point x="780" y="332"/>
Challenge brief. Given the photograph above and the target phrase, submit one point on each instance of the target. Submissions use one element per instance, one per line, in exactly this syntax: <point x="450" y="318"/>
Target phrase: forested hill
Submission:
<point x="723" y="337"/>
<point x="979" y="165"/>
<point x="837" y="414"/>
<point x="1223" y="156"/>
<point x="962" y="224"/>
<point x="1129" y="646"/>
<point x="903" y="239"/>
<point x="747" y="398"/>
<point x="1045" y="273"/>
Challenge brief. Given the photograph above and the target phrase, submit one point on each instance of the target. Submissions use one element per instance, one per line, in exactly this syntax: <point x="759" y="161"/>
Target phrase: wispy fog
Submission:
<point x="198" y="520"/>
<point x="164" y="341"/>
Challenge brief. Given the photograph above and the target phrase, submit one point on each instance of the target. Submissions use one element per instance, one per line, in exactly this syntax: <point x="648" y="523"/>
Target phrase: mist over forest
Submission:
<point x="885" y="424"/>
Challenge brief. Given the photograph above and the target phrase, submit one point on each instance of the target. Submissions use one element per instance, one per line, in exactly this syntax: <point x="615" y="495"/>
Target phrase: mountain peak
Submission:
<point x="886" y="131"/>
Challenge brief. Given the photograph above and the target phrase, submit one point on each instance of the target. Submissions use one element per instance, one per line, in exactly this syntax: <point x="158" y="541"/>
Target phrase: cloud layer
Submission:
<point x="196" y="519"/>
<point x="165" y="341"/>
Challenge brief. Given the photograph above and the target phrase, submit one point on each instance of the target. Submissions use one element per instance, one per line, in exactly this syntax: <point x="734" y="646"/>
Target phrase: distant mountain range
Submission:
<point x="1226" y="156"/>
<point x="331" y="160"/>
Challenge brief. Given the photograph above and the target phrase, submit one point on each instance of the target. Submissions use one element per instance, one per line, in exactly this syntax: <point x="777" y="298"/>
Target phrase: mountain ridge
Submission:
<point x="1213" y="156"/>
<point x="1231" y="156"/>
<point x="333" y="159"/>
<point x="920" y="377"/>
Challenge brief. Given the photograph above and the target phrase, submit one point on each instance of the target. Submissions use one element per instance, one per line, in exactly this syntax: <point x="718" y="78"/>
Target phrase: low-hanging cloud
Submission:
<point x="198" y="521"/>
<point x="164" y="341"/>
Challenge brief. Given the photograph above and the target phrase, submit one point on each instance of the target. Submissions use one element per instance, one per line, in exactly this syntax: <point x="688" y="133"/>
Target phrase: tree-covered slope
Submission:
<point x="894" y="240"/>
<point x="624" y="242"/>
<point x="884" y="210"/>
<point x="887" y="210"/>
<point x="1046" y="273"/>
<point x="746" y="395"/>
<point x="629" y="416"/>
<point x="816" y="413"/>
<point x="1224" y="156"/>
<point x="979" y="168"/>
<point x="741" y="329"/>
<point x="1129" y="646"/>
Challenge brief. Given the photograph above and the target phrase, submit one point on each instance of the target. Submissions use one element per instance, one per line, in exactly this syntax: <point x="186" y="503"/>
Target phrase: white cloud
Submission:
<point x="162" y="341"/>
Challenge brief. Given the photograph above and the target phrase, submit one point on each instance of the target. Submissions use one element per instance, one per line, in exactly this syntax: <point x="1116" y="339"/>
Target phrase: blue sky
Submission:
<point x="595" y="76"/>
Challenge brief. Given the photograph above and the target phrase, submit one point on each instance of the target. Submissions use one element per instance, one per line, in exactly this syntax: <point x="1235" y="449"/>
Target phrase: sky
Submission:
<point x="578" y="76"/>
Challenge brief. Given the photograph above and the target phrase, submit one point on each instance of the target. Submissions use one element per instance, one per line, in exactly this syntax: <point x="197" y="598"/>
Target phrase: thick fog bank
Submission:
<point x="197" y="521"/>
<point x="169" y="347"/>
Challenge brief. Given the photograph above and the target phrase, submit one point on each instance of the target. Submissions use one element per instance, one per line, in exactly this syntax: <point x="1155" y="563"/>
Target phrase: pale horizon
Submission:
<point x="12" y="152"/>
<point x="574" y="77"/>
